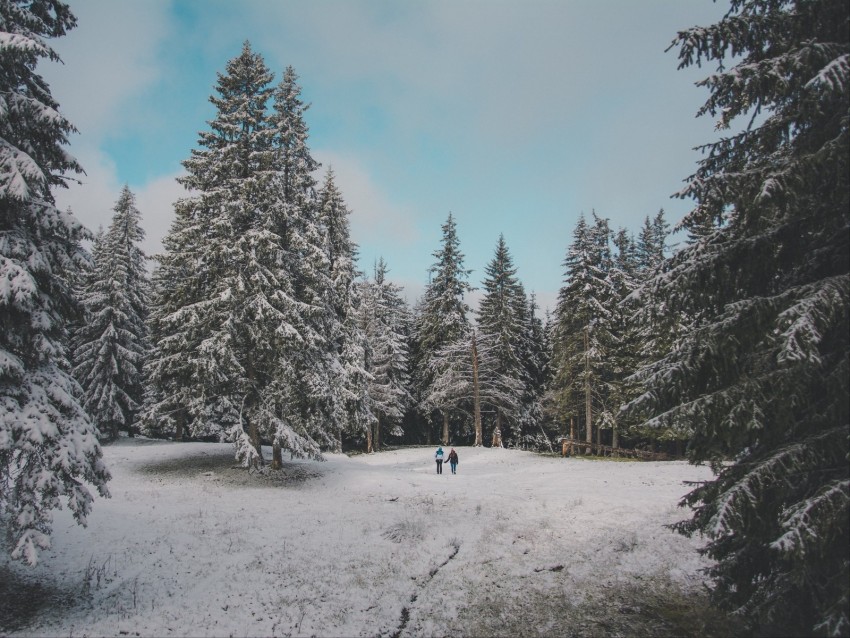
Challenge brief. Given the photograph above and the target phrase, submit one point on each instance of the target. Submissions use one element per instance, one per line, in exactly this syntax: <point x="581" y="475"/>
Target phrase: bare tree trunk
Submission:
<point x="615" y="443"/>
<point x="254" y="435"/>
<point x="179" y="425"/>
<point x="497" y="431"/>
<point x="546" y="437"/>
<point x="588" y="409"/>
<point x="572" y="435"/>
<point x="377" y="437"/>
<point x="476" y="395"/>
<point x="369" y="449"/>
<point x="277" y="455"/>
<point x="445" y="438"/>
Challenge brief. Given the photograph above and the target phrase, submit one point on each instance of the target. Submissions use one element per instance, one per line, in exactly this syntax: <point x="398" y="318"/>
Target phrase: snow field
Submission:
<point x="515" y="543"/>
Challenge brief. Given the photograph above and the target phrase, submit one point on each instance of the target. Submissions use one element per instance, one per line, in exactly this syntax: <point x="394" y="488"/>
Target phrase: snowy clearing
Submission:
<point x="514" y="544"/>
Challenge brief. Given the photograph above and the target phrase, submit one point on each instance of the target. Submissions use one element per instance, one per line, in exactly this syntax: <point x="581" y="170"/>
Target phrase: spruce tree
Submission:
<point x="342" y="330"/>
<point x="502" y="316"/>
<point x="48" y="444"/>
<point x="584" y="335"/>
<point x="443" y="317"/>
<point x="111" y="343"/>
<point x="762" y="374"/>
<point x="385" y="323"/>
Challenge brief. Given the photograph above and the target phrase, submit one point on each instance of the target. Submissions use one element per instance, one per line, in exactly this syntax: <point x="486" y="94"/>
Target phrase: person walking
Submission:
<point x="439" y="456"/>
<point x="453" y="461"/>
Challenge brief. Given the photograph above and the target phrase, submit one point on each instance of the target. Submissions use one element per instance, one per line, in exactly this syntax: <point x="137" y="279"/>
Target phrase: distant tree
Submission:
<point x="48" y="444"/>
<point x="342" y="330"/>
<point x="442" y="319"/>
<point x="535" y="355"/>
<point x="584" y="335"/>
<point x="762" y="373"/>
<point x="111" y="343"/>
<point x="466" y="376"/>
<point x="502" y="316"/>
<point x="385" y="322"/>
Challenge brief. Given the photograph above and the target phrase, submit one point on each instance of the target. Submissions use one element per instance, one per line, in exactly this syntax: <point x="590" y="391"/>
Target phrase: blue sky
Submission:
<point x="516" y="116"/>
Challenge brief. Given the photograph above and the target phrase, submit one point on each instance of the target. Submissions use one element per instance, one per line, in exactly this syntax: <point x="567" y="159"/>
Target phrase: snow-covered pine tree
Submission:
<point x="763" y="374"/>
<point x="583" y="335"/>
<point x="502" y="316"/>
<point x="111" y="343"/>
<point x="535" y="359"/>
<point x="237" y="320"/>
<point x="385" y="323"/>
<point x="178" y="288"/>
<point x="343" y="333"/>
<point x="625" y="357"/>
<point x="442" y="319"/>
<point x="48" y="444"/>
<point x="316" y="358"/>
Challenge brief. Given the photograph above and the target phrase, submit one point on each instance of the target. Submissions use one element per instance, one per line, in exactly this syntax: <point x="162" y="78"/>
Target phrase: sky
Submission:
<point x="514" y="116"/>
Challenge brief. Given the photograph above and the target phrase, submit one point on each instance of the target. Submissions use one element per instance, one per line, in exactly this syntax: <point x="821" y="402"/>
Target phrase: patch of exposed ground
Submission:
<point x="221" y="467"/>
<point x="22" y="600"/>
<point x="653" y="607"/>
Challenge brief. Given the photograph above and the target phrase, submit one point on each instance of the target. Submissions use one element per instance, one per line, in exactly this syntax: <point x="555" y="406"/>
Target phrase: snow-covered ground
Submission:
<point x="514" y="544"/>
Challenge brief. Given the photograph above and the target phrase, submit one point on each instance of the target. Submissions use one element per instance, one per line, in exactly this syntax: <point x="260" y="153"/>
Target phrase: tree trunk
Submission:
<point x="615" y="443"/>
<point x="277" y="456"/>
<point x="178" y="426"/>
<point x="369" y="449"/>
<point x="588" y="413"/>
<point x="254" y="435"/>
<point x="445" y="438"/>
<point x="497" y="432"/>
<point x="572" y="435"/>
<point x="377" y="438"/>
<point x="476" y="396"/>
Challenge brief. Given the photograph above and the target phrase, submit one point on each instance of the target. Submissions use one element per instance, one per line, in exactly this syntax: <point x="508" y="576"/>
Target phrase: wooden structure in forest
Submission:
<point x="571" y="446"/>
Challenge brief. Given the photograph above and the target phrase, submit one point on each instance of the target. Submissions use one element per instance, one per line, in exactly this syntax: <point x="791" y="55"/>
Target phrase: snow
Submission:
<point x="371" y="544"/>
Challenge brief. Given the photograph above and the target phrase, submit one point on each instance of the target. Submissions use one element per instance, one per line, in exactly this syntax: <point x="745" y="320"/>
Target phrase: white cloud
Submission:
<point x="110" y="59"/>
<point x="375" y="219"/>
<point x="155" y="201"/>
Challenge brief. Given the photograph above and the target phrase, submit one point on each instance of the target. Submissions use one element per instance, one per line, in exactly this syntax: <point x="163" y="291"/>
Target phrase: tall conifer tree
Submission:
<point x="111" y="344"/>
<point x="48" y="444"/>
<point x="763" y="373"/>
<point x="443" y="319"/>
<point x="502" y="316"/>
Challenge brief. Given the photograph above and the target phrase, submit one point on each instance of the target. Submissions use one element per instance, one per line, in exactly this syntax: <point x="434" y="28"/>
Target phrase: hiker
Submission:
<point x="439" y="457"/>
<point x="453" y="460"/>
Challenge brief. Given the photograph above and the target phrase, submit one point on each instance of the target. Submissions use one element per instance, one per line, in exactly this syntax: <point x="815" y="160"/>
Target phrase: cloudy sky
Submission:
<point x="515" y="116"/>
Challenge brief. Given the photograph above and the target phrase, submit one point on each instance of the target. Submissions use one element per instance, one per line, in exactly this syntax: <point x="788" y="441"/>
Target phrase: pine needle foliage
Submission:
<point x="761" y="374"/>
<point x="48" y="444"/>
<point x="110" y="346"/>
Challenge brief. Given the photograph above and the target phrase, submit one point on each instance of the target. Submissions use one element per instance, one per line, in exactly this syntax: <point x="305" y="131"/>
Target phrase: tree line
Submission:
<point x="256" y="326"/>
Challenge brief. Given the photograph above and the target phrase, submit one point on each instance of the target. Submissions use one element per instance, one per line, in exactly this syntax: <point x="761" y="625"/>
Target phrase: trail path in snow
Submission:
<point x="372" y="545"/>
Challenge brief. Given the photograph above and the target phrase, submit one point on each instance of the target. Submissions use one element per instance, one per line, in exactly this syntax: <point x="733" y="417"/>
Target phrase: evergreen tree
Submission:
<point x="762" y="374"/>
<point x="237" y="322"/>
<point x="316" y="365"/>
<point x="385" y="322"/>
<point x="48" y="444"/>
<point x="584" y="333"/>
<point x="342" y="330"/>
<point x="535" y="356"/>
<point x="111" y="343"/>
<point x="502" y="315"/>
<point x="442" y="319"/>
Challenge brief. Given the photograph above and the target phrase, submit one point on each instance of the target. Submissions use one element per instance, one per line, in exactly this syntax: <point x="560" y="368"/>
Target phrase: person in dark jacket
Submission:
<point x="453" y="460"/>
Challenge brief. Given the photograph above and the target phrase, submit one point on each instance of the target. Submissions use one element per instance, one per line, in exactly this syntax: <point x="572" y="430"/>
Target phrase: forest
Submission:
<point x="258" y="326"/>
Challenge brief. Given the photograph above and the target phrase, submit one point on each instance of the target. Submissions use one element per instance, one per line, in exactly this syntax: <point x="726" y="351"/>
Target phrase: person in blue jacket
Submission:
<point x="439" y="456"/>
